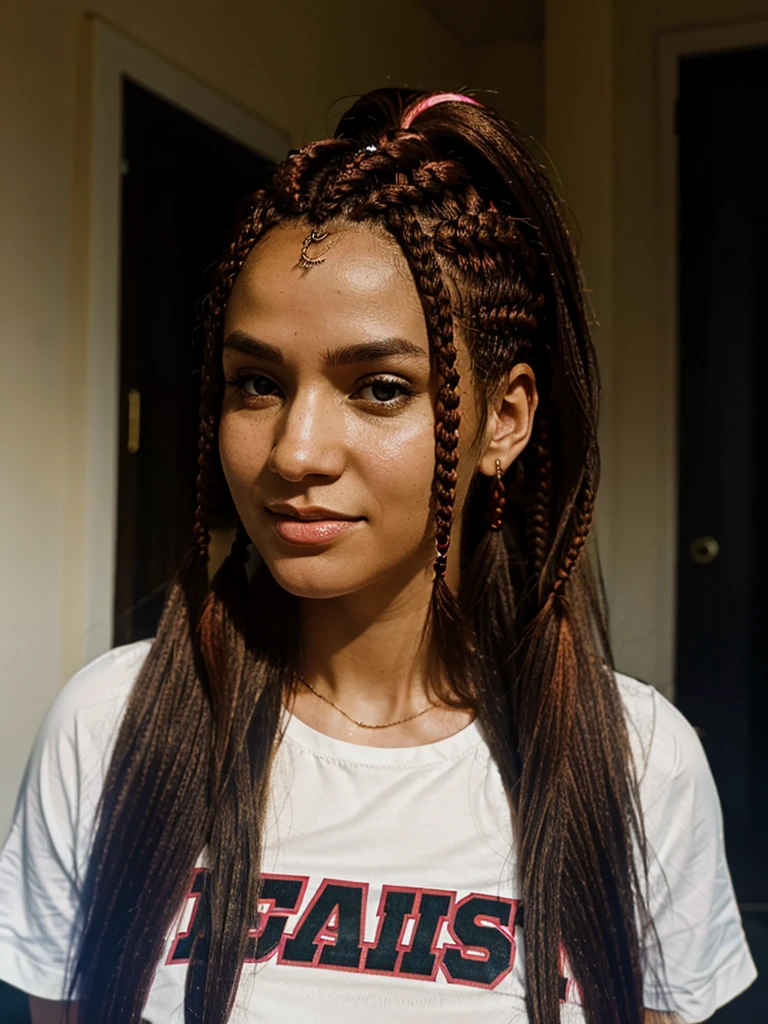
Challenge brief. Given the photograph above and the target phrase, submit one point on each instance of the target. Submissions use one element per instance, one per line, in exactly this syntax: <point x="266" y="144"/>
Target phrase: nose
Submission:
<point x="309" y="438"/>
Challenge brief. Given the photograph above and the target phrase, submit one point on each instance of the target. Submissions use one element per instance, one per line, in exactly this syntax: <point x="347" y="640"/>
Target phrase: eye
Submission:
<point x="388" y="393"/>
<point x="383" y="389"/>
<point x="250" y="385"/>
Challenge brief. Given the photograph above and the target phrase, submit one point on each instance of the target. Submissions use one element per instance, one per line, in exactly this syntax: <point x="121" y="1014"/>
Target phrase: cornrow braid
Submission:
<point x="407" y="148"/>
<point x="348" y="179"/>
<point x="432" y="182"/>
<point x="516" y="312"/>
<point x="338" y="168"/>
<point x="506" y="313"/>
<point x="288" y="182"/>
<point x="377" y="164"/>
<point x="481" y="241"/>
<point x="402" y="170"/>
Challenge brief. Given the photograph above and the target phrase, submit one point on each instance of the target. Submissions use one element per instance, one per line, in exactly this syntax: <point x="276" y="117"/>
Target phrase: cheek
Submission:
<point x="242" y="451"/>
<point x="399" y="479"/>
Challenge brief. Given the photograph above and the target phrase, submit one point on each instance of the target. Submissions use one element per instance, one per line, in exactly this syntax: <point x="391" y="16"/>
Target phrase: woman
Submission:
<point x="382" y="769"/>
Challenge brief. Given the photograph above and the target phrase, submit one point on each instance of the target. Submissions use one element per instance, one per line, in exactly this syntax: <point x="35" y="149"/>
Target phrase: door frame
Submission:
<point x="671" y="45"/>
<point x="114" y="56"/>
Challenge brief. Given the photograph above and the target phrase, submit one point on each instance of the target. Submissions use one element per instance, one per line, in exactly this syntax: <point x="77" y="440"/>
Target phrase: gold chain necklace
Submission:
<point x="364" y="725"/>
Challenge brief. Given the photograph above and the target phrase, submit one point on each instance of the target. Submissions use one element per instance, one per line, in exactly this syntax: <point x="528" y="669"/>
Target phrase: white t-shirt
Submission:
<point x="389" y="875"/>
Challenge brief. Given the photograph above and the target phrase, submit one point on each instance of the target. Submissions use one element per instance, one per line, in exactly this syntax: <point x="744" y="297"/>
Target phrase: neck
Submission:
<point x="360" y="651"/>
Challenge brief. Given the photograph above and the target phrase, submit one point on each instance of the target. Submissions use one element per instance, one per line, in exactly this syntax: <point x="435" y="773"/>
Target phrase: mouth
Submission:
<point x="305" y="532"/>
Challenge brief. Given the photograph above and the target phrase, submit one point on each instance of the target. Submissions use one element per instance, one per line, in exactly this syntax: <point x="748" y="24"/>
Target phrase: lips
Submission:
<point x="311" y="531"/>
<point x="309" y="513"/>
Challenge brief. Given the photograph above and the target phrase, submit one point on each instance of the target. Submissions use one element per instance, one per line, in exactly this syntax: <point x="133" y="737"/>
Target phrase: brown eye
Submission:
<point x="260" y="385"/>
<point x="389" y="394"/>
<point x="251" y="385"/>
<point x="384" y="392"/>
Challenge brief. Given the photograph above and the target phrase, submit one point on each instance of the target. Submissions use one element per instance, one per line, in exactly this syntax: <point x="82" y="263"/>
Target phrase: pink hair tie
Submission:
<point x="430" y="101"/>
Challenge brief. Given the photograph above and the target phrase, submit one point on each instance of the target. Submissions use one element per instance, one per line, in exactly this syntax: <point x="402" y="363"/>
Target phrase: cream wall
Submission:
<point x="250" y="52"/>
<point x="513" y="74"/>
<point x="602" y="128"/>
<point x="579" y="105"/>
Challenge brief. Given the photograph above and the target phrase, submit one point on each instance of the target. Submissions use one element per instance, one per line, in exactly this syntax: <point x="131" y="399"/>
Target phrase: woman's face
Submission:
<point x="318" y="412"/>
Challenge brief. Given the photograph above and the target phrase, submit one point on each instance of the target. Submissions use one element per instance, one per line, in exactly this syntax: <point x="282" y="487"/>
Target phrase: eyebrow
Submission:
<point x="347" y="355"/>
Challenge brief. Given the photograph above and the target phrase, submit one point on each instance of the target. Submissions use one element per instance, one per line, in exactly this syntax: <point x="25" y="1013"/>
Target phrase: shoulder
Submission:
<point x="88" y="707"/>
<point x="107" y="676"/>
<point x="43" y="862"/>
<point x="701" y="959"/>
<point x="667" y="750"/>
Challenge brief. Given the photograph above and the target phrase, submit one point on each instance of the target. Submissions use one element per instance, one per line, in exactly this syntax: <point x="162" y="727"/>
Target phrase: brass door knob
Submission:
<point x="704" y="550"/>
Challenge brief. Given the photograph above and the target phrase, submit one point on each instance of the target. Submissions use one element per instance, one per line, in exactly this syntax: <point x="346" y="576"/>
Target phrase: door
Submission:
<point x="722" y="611"/>
<point x="183" y="186"/>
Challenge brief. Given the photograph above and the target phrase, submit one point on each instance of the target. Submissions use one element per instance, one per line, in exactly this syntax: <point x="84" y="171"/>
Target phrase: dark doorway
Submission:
<point x="722" y="662"/>
<point x="183" y="185"/>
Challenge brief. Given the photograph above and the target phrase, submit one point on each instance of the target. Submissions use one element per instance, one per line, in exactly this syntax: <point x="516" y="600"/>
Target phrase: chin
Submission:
<point x="324" y="577"/>
<point x="306" y="576"/>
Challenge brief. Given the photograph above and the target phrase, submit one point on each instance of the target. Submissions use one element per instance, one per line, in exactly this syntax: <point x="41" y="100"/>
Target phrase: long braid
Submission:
<point x="444" y="611"/>
<point x="582" y="524"/>
<point x="437" y="308"/>
<point x="538" y="523"/>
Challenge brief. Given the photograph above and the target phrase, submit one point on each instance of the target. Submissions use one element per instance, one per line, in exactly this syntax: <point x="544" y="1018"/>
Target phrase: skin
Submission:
<point x="310" y="434"/>
<point x="316" y="435"/>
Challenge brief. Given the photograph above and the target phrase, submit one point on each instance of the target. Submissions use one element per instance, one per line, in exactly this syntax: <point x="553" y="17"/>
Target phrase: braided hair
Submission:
<point x="524" y="641"/>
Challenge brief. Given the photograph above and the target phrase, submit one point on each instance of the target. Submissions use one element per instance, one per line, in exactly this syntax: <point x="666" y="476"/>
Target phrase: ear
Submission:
<point x="510" y="422"/>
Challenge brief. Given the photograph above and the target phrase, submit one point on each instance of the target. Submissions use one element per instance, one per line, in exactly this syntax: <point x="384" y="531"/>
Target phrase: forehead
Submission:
<point x="364" y="286"/>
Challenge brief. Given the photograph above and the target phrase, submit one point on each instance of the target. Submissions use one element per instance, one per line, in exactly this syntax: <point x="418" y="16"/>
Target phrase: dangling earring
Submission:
<point x="497" y="500"/>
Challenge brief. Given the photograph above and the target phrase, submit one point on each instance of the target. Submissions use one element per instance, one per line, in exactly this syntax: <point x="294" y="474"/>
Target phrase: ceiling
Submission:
<point x="479" y="22"/>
